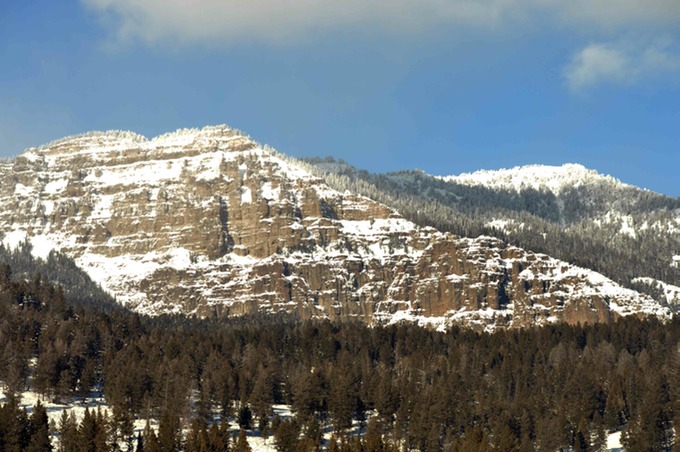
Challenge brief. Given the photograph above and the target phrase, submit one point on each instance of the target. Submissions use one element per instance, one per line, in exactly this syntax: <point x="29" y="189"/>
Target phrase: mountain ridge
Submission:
<point x="209" y="222"/>
<point x="616" y="229"/>
<point x="554" y="178"/>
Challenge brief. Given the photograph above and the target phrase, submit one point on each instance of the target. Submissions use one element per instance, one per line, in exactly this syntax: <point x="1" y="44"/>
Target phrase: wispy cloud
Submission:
<point x="273" y="21"/>
<point x="225" y="22"/>
<point x="620" y="64"/>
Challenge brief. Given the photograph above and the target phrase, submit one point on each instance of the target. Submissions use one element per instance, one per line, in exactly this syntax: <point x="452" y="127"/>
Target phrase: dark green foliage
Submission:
<point x="92" y="431"/>
<point x="286" y="436"/>
<point x="68" y="432"/>
<point x="245" y="417"/>
<point x="74" y="285"/>
<point x="550" y="387"/>
<point x="241" y="442"/>
<point x="39" y="428"/>
<point x="169" y="434"/>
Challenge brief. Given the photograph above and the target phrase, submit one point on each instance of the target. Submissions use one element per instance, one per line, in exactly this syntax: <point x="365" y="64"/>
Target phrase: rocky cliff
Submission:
<point x="209" y="222"/>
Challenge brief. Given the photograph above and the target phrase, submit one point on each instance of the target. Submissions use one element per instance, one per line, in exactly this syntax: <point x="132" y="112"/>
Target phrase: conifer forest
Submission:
<point x="406" y="387"/>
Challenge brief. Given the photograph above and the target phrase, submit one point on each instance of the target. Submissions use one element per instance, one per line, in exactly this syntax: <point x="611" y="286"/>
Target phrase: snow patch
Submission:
<point x="22" y="190"/>
<point x="502" y="225"/>
<point x="246" y="195"/>
<point x="614" y="442"/>
<point x="42" y="246"/>
<point x="269" y="193"/>
<point x="13" y="239"/>
<point x="179" y="258"/>
<point x="626" y="227"/>
<point x="671" y="293"/>
<point x="56" y="186"/>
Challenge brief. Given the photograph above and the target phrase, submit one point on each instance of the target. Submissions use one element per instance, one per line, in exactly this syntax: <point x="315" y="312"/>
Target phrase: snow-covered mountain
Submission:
<point x="536" y="177"/>
<point x="569" y="212"/>
<point x="209" y="222"/>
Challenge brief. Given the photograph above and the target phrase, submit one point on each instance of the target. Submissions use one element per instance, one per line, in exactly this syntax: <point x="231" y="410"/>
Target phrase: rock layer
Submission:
<point x="208" y="222"/>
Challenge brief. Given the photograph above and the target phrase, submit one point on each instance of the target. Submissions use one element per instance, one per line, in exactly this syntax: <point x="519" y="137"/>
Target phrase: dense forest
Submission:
<point x="581" y="226"/>
<point x="57" y="269"/>
<point x="410" y="388"/>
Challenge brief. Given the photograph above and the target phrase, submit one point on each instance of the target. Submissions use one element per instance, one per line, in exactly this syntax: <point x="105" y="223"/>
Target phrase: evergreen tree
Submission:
<point x="313" y="433"/>
<point x="169" y="431"/>
<point x="92" y="432"/>
<point x="286" y="436"/>
<point x="140" y="443"/>
<point x="374" y="436"/>
<point x="342" y="400"/>
<point x="241" y="442"/>
<point x="39" y="426"/>
<point x="245" y="417"/>
<point x="68" y="432"/>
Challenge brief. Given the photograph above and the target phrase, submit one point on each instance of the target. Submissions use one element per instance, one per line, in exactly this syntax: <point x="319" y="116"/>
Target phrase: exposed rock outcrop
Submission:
<point x="209" y="222"/>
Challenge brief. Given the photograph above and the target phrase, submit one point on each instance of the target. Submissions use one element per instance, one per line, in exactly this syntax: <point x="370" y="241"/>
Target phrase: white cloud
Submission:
<point x="617" y="14"/>
<point x="274" y="21"/>
<point x="598" y="63"/>
<point x="621" y="64"/>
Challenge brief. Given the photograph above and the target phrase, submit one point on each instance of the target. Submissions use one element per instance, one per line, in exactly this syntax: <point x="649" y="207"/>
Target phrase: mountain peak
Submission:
<point x="123" y="139"/>
<point x="536" y="177"/>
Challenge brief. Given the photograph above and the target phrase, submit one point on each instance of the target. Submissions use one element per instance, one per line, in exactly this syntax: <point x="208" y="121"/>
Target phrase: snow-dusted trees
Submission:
<point x="620" y="231"/>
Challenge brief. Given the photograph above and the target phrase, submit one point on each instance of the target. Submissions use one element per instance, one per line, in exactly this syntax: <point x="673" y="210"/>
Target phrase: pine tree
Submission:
<point x="374" y="436"/>
<point x="68" y="432"/>
<point x="197" y="439"/>
<point x="262" y="397"/>
<point x="140" y="443"/>
<point x="122" y="423"/>
<point x="39" y="426"/>
<point x="92" y="431"/>
<point x="506" y="439"/>
<point x="150" y="439"/>
<point x="314" y="433"/>
<point x="333" y="445"/>
<point x="341" y="402"/>
<point x="241" y="442"/>
<point x="286" y="436"/>
<point x="582" y="437"/>
<point x="169" y="431"/>
<point x="245" y="417"/>
<point x="263" y="426"/>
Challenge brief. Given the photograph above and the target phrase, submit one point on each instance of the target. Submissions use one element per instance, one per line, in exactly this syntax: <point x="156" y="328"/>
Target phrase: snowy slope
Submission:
<point x="536" y="177"/>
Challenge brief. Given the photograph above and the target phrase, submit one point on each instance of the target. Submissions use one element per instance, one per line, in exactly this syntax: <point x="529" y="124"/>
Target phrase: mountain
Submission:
<point x="208" y="222"/>
<point x="569" y="212"/>
<point x="554" y="179"/>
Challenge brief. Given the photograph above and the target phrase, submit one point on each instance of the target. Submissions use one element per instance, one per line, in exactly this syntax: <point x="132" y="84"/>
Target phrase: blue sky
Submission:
<point x="446" y="86"/>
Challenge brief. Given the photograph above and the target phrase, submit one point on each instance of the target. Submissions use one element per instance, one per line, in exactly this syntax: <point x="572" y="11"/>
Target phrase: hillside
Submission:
<point x="569" y="212"/>
<point x="210" y="223"/>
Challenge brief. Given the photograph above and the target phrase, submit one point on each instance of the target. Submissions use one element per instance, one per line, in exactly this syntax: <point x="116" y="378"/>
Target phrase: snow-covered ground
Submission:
<point x="671" y="293"/>
<point x="614" y="442"/>
<point x="95" y="401"/>
<point x="258" y="443"/>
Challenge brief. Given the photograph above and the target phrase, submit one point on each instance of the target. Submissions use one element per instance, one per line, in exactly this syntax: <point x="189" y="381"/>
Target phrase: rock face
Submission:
<point x="208" y="222"/>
